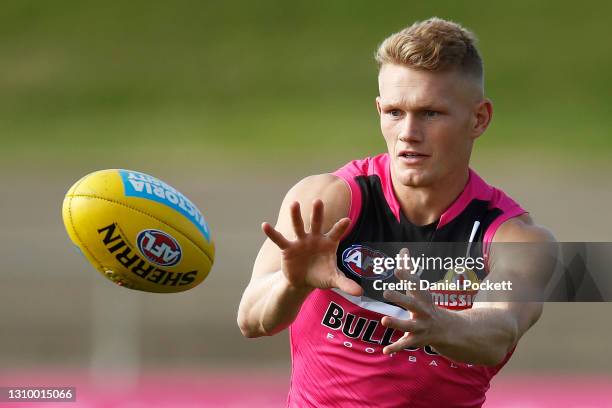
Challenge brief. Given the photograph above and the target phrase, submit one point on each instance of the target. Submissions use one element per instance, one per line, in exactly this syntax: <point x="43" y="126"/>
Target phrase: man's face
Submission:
<point x="429" y="121"/>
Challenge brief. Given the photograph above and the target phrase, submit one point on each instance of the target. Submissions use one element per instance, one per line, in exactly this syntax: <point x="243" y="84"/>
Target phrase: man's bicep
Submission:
<point x="522" y="259"/>
<point x="524" y="255"/>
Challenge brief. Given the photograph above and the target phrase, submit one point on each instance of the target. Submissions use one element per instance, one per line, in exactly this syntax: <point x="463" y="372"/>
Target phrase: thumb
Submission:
<point x="347" y="285"/>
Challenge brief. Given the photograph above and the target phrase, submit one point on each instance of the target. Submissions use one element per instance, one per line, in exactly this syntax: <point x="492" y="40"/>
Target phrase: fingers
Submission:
<point x="404" y="265"/>
<point x="296" y="220"/>
<point x="411" y="338"/>
<point x="275" y="236"/>
<point x="412" y="326"/>
<point x="339" y="228"/>
<point x="422" y="295"/>
<point x="407" y="301"/>
<point x="347" y="285"/>
<point x="406" y="341"/>
<point x="410" y="273"/>
<point x="316" y="218"/>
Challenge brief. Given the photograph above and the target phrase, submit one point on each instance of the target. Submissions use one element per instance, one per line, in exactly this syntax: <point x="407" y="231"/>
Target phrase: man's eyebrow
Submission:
<point x="425" y="104"/>
<point x="393" y="102"/>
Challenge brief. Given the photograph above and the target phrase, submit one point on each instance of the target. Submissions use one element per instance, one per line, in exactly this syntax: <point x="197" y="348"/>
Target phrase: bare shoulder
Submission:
<point x="331" y="189"/>
<point x="523" y="229"/>
<point x="336" y="198"/>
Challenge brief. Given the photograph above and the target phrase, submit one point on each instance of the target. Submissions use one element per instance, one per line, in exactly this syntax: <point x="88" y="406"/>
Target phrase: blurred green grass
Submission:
<point x="266" y="79"/>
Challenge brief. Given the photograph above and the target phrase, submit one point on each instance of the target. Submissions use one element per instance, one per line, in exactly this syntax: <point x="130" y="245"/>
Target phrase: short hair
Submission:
<point x="432" y="45"/>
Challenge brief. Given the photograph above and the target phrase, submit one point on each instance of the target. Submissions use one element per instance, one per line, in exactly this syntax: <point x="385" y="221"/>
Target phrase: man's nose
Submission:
<point x="410" y="130"/>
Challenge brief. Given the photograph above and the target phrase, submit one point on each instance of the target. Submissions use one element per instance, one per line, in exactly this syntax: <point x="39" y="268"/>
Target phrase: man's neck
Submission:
<point x="425" y="205"/>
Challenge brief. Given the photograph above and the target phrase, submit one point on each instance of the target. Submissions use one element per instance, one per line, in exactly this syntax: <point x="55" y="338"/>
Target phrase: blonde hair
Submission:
<point x="432" y="45"/>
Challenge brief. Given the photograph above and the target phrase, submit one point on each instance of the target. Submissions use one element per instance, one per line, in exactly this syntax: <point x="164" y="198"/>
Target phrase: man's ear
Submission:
<point x="483" y="114"/>
<point x="378" y="105"/>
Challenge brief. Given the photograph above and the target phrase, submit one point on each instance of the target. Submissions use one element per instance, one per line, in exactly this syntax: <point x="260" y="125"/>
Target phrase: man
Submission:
<point x="401" y="350"/>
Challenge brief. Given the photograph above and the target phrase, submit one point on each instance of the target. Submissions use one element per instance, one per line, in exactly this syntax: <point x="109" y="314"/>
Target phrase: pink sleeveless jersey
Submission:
<point x="337" y="339"/>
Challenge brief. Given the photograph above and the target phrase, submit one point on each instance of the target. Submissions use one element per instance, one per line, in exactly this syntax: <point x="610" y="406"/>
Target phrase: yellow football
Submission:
<point x="138" y="231"/>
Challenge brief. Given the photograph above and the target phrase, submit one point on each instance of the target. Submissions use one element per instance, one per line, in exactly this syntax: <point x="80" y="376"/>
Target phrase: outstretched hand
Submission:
<point x="426" y="323"/>
<point x="309" y="261"/>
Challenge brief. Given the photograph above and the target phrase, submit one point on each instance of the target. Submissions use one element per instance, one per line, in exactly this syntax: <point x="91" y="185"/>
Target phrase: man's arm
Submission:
<point x="298" y="256"/>
<point x="485" y="333"/>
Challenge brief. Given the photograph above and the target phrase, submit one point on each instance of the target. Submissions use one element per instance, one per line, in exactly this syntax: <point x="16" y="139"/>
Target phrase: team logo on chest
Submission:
<point x="359" y="260"/>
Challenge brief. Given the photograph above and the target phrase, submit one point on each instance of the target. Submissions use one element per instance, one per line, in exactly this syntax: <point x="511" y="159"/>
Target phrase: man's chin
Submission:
<point x="413" y="177"/>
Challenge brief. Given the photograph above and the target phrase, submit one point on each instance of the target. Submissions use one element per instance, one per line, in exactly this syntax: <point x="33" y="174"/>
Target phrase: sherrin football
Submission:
<point x="138" y="231"/>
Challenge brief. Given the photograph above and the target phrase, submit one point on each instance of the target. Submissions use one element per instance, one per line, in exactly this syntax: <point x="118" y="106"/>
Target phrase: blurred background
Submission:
<point x="232" y="103"/>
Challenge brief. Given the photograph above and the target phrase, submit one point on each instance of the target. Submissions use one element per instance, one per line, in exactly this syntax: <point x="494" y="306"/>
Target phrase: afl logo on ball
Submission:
<point x="158" y="247"/>
<point x="359" y="260"/>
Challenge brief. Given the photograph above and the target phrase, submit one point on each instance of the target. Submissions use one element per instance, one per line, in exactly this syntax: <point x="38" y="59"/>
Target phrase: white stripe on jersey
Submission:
<point x="375" y="305"/>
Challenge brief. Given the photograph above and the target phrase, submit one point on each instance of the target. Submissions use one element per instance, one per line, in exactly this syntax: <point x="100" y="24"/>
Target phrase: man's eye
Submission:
<point x="430" y="114"/>
<point x="395" y="112"/>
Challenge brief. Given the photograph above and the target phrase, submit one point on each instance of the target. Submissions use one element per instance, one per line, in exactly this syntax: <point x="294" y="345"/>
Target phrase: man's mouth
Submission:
<point x="412" y="155"/>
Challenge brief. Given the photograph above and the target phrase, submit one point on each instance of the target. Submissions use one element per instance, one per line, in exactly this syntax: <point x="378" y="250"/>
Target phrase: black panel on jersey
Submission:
<point x="377" y="224"/>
